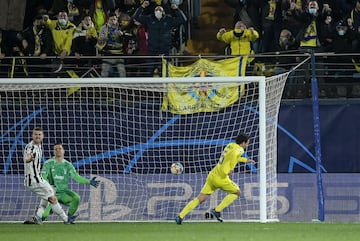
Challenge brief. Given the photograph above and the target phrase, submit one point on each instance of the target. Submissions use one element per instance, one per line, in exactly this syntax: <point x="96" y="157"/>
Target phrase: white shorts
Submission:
<point x="43" y="190"/>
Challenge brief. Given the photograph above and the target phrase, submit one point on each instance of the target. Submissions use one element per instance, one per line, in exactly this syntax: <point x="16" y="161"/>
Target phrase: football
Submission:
<point x="176" y="168"/>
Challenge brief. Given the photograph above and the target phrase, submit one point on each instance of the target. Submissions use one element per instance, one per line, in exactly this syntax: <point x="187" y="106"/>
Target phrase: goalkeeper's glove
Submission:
<point x="94" y="182"/>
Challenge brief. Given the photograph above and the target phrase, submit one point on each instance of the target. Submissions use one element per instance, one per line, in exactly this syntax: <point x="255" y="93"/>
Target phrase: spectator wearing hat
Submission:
<point x="342" y="43"/>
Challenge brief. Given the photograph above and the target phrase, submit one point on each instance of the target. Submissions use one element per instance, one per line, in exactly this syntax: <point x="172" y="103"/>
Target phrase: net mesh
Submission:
<point x="120" y="133"/>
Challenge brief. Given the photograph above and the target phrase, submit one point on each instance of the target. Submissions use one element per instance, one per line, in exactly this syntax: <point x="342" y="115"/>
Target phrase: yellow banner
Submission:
<point x="192" y="98"/>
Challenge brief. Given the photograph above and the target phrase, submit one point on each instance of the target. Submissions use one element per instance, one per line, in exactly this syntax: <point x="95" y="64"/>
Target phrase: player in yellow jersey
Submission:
<point x="219" y="178"/>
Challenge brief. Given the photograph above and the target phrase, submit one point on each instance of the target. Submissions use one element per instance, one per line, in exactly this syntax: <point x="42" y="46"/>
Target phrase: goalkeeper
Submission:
<point x="57" y="171"/>
<point x="219" y="178"/>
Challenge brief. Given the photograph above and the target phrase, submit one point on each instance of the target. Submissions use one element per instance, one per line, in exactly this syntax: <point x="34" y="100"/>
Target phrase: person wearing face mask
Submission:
<point x="344" y="36"/>
<point x="62" y="31"/>
<point x="283" y="60"/>
<point x="159" y="27"/>
<point x="286" y="41"/>
<point x="239" y="38"/>
<point x="310" y="34"/>
<point x="36" y="40"/>
<point x="341" y="65"/>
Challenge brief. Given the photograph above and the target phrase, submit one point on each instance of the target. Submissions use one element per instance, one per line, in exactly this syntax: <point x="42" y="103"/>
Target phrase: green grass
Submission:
<point x="188" y="231"/>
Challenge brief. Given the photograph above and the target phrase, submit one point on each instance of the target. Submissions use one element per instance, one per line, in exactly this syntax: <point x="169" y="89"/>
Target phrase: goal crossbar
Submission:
<point x="267" y="90"/>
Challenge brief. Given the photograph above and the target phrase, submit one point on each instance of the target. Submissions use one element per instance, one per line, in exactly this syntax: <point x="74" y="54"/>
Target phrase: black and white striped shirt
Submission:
<point x="33" y="169"/>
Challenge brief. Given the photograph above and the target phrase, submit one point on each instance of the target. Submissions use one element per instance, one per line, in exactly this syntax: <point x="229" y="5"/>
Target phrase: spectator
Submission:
<point x="99" y="11"/>
<point x="286" y="45"/>
<point x="142" y="38"/>
<point x="85" y="38"/>
<point x="9" y="43"/>
<point x="270" y="25"/>
<point x="111" y="43"/>
<point x="289" y="10"/>
<point x="343" y="38"/>
<point x="130" y="31"/>
<point x="70" y="6"/>
<point x="36" y="40"/>
<point x="353" y="21"/>
<point x="310" y="35"/>
<point x="327" y="29"/>
<point x="34" y="8"/>
<point x="84" y="44"/>
<point x="159" y="27"/>
<point x="62" y="31"/>
<point x="140" y="43"/>
<point x="342" y="43"/>
<point x="10" y="47"/>
<point x="239" y="38"/>
<point x="286" y="41"/>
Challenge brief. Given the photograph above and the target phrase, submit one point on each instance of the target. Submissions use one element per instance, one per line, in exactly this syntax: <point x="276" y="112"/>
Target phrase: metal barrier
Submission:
<point x="338" y="74"/>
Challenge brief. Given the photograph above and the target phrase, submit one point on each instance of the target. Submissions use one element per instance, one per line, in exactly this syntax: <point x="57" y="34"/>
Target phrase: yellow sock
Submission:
<point x="226" y="202"/>
<point x="189" y="207"/>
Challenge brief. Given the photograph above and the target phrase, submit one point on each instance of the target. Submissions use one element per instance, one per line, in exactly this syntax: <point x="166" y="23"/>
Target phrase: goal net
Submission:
<point x="120" y="131"/>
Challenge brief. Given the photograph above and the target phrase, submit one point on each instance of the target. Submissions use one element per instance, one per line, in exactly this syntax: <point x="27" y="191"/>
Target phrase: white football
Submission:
<point x="176" y="168"/>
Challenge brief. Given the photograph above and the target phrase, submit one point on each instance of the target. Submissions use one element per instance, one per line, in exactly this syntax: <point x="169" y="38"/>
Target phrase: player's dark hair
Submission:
<point x="242" y="138"/>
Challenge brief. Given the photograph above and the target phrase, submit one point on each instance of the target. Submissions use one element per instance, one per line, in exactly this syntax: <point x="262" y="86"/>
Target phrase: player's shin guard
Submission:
<point x="59" y="211"/>
<point x="40" y="210"/>
<point x="228" y="199"/>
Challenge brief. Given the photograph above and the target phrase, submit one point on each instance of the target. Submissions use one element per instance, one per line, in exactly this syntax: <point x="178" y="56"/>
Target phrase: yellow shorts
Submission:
<point x="213" y="183"/>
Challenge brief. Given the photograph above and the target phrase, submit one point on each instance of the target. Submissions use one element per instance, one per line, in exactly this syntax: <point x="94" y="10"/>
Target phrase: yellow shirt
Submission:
<point x="230" y="157"/>
<point x="239" y="46"/>
<point x="62" y="35"/>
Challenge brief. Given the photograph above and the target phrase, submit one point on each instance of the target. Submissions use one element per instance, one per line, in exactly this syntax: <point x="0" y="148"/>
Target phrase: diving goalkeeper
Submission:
<point x="57" y="171"/>
<point x="219" y="178"/>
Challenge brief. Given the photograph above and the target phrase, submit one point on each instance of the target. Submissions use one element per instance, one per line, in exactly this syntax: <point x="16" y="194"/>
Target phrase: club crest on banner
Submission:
<point x="189" y="98"/>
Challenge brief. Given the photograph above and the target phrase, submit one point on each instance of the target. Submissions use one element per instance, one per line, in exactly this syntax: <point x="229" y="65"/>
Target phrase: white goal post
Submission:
<point x="118" y="129"/>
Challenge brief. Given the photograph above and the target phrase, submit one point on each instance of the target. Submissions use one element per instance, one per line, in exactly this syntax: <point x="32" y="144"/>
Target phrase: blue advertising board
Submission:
<point x="139" y="197"/>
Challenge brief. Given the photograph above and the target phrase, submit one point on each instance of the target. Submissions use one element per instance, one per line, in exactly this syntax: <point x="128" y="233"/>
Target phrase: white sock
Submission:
<point x="41" y="209"/>
<point x="59" y="211"/>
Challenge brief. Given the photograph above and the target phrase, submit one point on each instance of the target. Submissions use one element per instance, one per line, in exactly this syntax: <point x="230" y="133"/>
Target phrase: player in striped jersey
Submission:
<point x="34" y="182"/>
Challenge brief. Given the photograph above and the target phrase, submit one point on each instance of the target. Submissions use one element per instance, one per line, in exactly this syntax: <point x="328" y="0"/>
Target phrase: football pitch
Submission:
<point x="188" y="231"/>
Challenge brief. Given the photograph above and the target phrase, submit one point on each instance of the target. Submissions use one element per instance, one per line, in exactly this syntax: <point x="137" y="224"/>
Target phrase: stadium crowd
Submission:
<point x="106" y="28"/>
